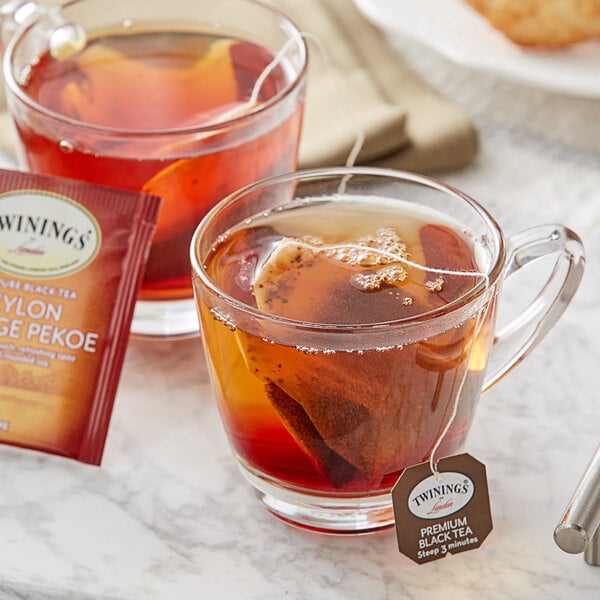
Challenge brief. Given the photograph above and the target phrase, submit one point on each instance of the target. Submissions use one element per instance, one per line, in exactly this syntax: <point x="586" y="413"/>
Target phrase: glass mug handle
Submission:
<point x="517" y="338"/>
<point x="64" y="39"/>
<point x="13" y="15"/>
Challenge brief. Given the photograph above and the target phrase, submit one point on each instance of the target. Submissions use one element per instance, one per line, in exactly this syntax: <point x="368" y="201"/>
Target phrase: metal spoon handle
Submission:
<point x="577" y="529"/>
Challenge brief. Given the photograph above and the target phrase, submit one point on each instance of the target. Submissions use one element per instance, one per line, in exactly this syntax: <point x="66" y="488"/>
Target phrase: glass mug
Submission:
<point x="348" y="318"/>
<point x="186" y="99"/>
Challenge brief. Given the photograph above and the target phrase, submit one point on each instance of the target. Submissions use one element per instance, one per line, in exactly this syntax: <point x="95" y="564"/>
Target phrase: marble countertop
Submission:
<point x="169" y="516"/>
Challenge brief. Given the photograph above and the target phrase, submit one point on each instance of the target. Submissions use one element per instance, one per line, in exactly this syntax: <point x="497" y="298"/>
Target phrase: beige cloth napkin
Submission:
<point x="357" y="83"/>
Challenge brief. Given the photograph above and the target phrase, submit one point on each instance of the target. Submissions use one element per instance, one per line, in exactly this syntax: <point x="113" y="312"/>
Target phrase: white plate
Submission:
<point x="456" y="30"/>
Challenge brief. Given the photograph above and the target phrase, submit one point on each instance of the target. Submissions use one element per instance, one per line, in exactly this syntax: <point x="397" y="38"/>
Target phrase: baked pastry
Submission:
<point x="543" y="23"/>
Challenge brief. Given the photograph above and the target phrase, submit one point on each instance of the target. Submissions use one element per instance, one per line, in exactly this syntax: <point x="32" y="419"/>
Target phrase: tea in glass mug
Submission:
<point x="188" y="100"/>
<point x="348" y="317"/>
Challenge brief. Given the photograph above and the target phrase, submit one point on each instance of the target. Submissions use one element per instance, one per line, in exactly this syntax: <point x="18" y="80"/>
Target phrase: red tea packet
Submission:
<point x="72" y="256"/>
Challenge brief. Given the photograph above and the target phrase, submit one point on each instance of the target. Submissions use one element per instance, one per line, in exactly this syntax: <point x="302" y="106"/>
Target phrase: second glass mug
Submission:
<point x="348" y="318"/>
<point x="186" y="99"/>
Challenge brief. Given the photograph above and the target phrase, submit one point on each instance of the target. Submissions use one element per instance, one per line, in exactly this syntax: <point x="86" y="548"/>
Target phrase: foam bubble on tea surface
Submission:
<point x="369" y="264"/>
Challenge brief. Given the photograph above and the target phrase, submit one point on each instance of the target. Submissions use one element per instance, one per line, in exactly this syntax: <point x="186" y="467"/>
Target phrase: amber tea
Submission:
<point x="161" y="81"/>
<point x="326" y="420"/>
<point x="187" y="100"/>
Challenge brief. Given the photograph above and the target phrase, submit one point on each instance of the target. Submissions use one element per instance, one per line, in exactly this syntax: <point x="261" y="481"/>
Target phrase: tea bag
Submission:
<point x="377" y="261"/>
<point x="86" y="98"/>
<point x="218" y="161"/>
<point x="375" y="416"/>
<point x="333" y="466"/>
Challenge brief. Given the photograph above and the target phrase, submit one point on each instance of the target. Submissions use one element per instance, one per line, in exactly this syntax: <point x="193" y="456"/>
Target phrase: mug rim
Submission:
<point x="286" y="24"/>
<point x="493" y="271"/>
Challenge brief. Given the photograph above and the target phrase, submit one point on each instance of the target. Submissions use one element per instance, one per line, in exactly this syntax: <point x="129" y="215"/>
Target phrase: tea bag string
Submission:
<point x="481" y="314"/>
<point x="481" y="311"/>
<point x="267" y="71"/>
<point x="359" y="139"/>
<point x="243" y="107"/>
<point x="393" y="257"/>
<point x="351" y="161"/>
<point x="252" y="100"/>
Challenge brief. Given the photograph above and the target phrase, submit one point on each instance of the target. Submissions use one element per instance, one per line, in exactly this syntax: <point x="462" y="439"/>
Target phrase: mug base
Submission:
<point x="324" y="514"/>
<point x="173" y="319"/>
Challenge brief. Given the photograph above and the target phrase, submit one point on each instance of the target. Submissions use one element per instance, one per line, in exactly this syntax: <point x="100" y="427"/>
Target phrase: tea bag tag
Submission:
<point x="442" y="514"/>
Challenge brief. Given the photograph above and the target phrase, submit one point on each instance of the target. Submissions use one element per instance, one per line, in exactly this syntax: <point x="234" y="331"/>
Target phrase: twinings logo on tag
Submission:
<point x="433" y="499"/>
<point x="444" y="514"/>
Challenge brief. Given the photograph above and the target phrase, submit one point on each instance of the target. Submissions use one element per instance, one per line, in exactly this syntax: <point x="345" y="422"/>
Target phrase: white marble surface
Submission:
<point x="168" y="516"/>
